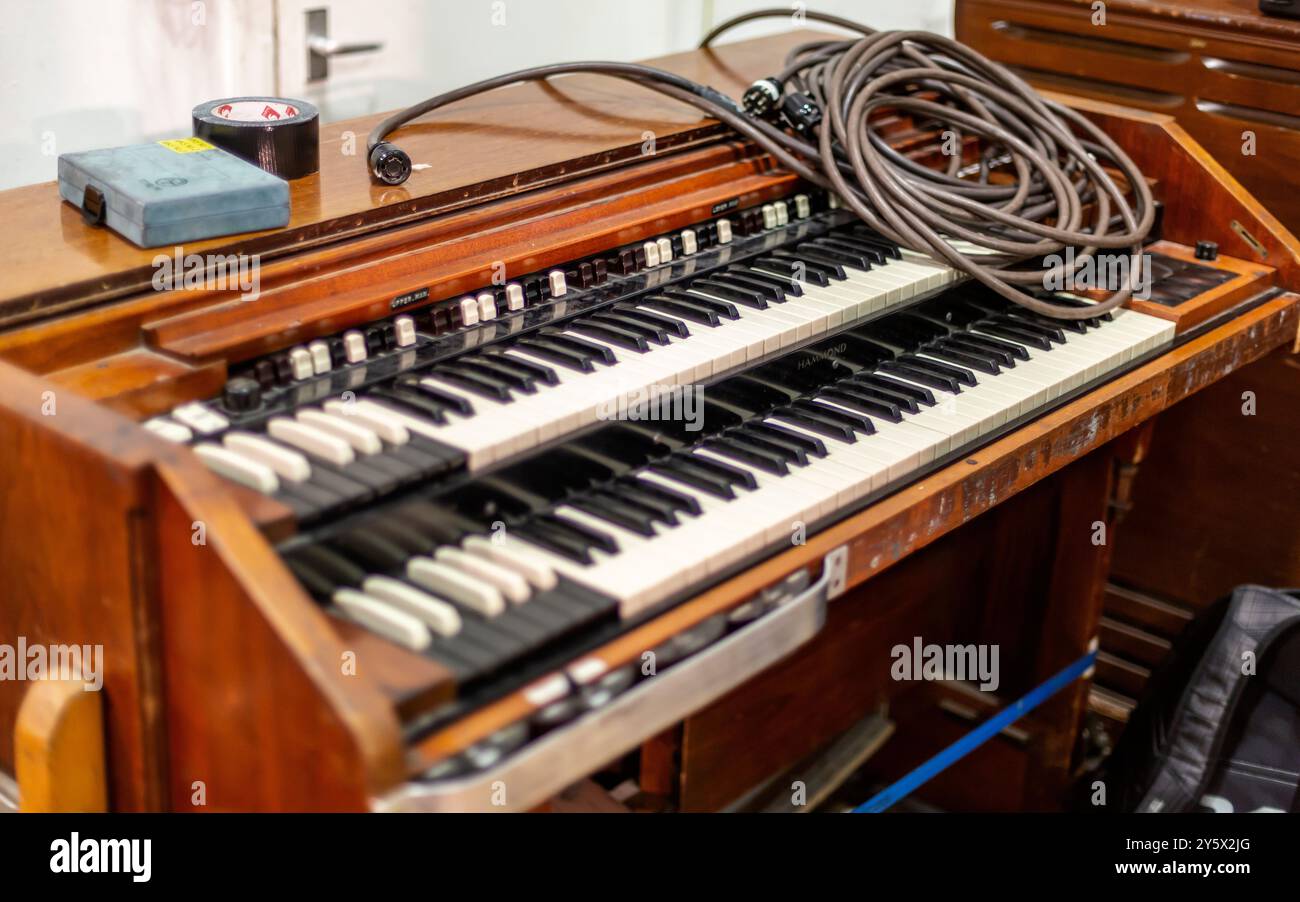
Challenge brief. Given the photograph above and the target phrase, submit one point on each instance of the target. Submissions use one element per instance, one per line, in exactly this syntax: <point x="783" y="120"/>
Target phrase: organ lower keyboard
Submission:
<point x="495" y="456"/>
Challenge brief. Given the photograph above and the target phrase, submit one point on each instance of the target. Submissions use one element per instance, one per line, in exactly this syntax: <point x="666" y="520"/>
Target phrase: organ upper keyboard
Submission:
<point x="501" y="453"/>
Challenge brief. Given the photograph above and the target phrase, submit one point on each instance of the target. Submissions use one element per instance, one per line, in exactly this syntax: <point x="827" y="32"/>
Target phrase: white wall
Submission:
<point x="80" y="74"/>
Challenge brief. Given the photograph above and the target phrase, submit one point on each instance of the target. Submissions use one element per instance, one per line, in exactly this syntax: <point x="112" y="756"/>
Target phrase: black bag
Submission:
<point x="1208" y="735"/>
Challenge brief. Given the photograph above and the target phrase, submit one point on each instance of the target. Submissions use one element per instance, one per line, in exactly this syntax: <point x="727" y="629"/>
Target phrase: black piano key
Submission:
<point x="816" y="424"/>
<point x="624" y="515"/>
<point x="866" y="233"/>
<point x="735" y="475"/>
<point x="811" y="258"/>
<point x="412" y="401"/>
<point x="1006" y="352"/>
<point x="1052" y="333"/>
<point x="592" y="350"/>
<point x="724" y="309"/>
<point x="559" y="355"/>
<point x="659" y="321"/>
<point x="792" y="453"/>
<point x="810" y="445"/>
<point x="657" y="508"/>
<point x="694" y="313"/>
<point x="398" y="533"/>
<point x="1014" y="333"/>
<point x="489" y="370"/>
<point x="350" y="488"/>
<point x="918" y="393"/>
<point x="771" y="289"/>
<point x="910" y="370"/>
<point x="873" y="253"/>
<point x="312" y="579"/>
<point x="431" y="522"/>
<point x="703" y="480"/>
<point x="793" y="271"/>
<point x="840" y="255"/>
<point x="369" y="550"/>
<point x="649" y="331"/>
<point x="676" y="500"/>
<point x="535" y="371"/>
<point x="446" y="399"/>
<point x="1060" y="326"/>
<point x="556" y="541"/>
<point x="749" y="454"/>
<point x="623" y="496"/>
<point x="972" y="360"/>
<point x="593" y="537"/>
<point x="905" y="403"/>
<point x="493" y="390"/>
<point x="782" y="284"/>
<point x="747" y="297"/>
<point x="856" y="422"/>
<point x="615" y="335"/>
<point x="866" y="404"/>
<point x="334" y="565"/>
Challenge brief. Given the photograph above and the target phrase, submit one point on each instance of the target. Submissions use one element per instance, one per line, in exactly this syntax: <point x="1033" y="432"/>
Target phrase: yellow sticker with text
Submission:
<point x="186" y="145"/>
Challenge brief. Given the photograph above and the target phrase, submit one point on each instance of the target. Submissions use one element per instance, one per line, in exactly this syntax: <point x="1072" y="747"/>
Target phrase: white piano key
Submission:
<point x="385" y="423"/>
<point x="510" y="552"/>
<point x="508" y="582"/>
<point x="456" y="585"/>
<point x="169" y="429"/>
<point x="383" y="619"/>
<point x="351" y="429"/>
<point x="200" y="419"/>
<point x="287" y="463"/>
<point x="238" y="468"/>
<point x="316" y="442"/>
<point x="440" y="616"/>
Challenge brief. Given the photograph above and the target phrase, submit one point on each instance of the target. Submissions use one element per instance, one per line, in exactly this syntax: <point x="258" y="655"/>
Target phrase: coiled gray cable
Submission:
<point x="1057" y="158"/>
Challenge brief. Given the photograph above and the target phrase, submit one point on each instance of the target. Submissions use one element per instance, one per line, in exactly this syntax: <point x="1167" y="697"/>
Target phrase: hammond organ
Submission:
<point x="394" y="531"/>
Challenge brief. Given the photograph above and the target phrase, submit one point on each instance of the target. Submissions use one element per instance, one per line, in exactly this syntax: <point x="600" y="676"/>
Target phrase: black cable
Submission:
<point x="815" y="117"/>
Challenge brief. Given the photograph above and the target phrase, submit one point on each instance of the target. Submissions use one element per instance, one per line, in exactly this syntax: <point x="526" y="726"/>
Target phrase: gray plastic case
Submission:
<point x="175" y="191"/>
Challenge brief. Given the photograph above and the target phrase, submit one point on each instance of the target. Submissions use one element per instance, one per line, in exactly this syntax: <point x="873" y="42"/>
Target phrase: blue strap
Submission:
<point x="887" y="797"/>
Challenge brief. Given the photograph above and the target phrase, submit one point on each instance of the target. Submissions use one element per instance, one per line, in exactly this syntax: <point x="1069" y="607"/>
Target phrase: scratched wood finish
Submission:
<point x="522" y="137"/>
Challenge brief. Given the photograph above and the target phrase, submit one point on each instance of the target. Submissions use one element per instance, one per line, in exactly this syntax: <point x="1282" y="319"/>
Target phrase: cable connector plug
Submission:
<point x="763" y="96"/>
<point x="800" y="112"/>
<point x="389" y="164"/>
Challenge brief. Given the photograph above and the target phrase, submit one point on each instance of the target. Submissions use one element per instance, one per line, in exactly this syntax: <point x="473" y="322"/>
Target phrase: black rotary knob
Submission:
<point x="242" y="395"/>
<point x="1207" y="250"/>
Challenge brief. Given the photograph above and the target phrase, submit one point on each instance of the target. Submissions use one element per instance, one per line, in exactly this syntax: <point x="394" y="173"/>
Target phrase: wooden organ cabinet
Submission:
<point x="1230" y="76"/>
<point x="279" y="515"/>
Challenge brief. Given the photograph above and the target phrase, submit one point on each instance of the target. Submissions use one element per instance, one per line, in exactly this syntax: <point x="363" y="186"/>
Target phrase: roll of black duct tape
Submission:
<point x="279" y="135"/>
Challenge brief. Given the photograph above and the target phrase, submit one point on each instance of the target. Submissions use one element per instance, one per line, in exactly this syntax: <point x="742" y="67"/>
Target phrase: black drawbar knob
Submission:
<point x="279" y="135"/>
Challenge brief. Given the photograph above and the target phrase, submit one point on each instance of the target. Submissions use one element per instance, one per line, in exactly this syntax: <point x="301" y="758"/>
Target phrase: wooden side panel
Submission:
<point x="266" y="709"/>
<point x="73" y="565"/>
